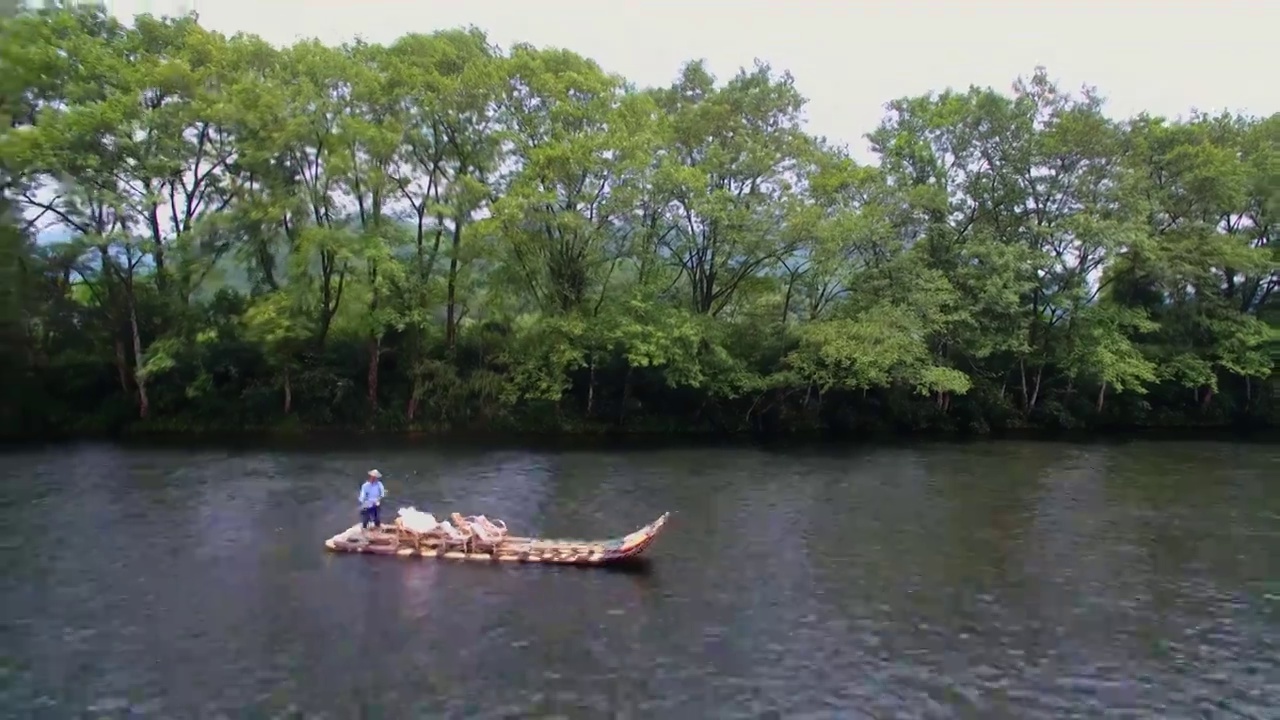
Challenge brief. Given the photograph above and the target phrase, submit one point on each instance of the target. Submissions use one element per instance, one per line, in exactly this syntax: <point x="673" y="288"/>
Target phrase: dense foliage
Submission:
<point x="442" y="234"/>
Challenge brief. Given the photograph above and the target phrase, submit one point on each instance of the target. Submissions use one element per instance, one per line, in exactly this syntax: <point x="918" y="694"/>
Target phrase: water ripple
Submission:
<point x="1013" y="580"/>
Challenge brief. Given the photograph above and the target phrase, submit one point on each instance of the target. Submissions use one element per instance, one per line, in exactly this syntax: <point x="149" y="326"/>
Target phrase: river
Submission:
<point x="984" y="580"/>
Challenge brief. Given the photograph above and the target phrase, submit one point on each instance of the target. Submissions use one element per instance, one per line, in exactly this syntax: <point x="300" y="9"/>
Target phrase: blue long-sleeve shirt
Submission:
<point x="371" y="493"/>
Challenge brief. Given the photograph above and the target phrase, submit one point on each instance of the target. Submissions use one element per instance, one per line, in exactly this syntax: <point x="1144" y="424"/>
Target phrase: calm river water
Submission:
<point x="994" y="580"/>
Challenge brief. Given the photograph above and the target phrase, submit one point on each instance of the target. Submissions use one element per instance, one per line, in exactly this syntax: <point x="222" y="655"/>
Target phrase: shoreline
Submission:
<point x="340" y="437"/>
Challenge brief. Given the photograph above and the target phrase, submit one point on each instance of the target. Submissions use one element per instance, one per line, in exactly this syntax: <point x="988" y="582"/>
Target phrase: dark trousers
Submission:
<point x="369" y="515"/>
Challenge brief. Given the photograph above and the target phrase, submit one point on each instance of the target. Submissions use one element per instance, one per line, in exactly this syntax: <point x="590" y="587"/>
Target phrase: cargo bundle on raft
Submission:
<point x="418" y="534"/>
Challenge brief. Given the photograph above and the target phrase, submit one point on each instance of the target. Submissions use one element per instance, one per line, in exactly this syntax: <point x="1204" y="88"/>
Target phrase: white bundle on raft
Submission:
<point x="417" y="521"/>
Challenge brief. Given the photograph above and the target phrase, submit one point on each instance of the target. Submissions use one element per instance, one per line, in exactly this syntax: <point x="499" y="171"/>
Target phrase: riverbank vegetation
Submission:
<point x="204" y="231"/>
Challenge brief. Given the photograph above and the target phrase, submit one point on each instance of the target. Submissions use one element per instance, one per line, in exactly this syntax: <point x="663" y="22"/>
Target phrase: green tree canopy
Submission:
<point x="441" y="233"/>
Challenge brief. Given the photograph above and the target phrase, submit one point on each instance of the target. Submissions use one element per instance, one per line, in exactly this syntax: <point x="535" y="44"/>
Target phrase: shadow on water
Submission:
<point x="464" y="442"/>
<point x="994" y="580"/>
<point x="640" y="568"/>
<point x="637" y="567"/>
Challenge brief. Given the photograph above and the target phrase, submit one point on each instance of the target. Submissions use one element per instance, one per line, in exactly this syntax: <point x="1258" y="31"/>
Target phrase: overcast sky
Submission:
<point x="849" y="58"/>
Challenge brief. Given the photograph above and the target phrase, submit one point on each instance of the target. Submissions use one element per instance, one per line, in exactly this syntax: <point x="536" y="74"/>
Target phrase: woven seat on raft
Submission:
<point x="414" y="526"/>
<point x="484" y="533"/>
<point x="495" y="528"/>
<point x="455" y="536"/>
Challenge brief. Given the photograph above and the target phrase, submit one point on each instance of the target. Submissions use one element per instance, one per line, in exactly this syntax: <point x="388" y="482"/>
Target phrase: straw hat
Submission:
<point x="375" y="474"/>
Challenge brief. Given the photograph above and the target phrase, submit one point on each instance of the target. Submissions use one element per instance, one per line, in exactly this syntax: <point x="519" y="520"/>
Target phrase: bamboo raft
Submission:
<point x="477" y="538"/>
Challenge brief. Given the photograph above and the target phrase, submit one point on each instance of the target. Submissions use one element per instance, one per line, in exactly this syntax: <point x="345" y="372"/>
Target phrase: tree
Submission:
<point x="199" y="230"/>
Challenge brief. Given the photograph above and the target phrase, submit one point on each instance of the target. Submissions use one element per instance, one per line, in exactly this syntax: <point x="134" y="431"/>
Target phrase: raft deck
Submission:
<point x="390" y="540"/>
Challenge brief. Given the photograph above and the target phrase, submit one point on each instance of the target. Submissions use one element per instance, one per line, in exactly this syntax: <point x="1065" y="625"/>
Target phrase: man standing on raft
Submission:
<point x="371" y="494"/>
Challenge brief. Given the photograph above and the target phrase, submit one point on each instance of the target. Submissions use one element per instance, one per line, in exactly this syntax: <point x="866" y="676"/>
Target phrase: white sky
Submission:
<point x="848" y="57"/>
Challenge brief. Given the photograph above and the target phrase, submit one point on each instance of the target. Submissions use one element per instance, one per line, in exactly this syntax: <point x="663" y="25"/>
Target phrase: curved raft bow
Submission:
<point x="478" y="538"/>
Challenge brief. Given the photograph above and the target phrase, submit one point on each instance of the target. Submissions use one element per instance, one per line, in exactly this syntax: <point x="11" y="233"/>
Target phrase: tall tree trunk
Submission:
<point x="288" y="392"/>
<point x="1022" y="375"/>
<point x="591" y="388"/>
<point x="122" y="365"/>
<point x="375" y="349"/>
<point x="786" y="300"/>
<point x="411" y="410"/>
<point x="1030" y="395"/>
<point x="414" y="353"/>
<point x="375" y="339"/>
<point x="1035" y="388"/>
<point x="330" y="294"/>
<point x="139" y="379"/>
<point x="450" y="326"/>
<point x="1102" y="395"/>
